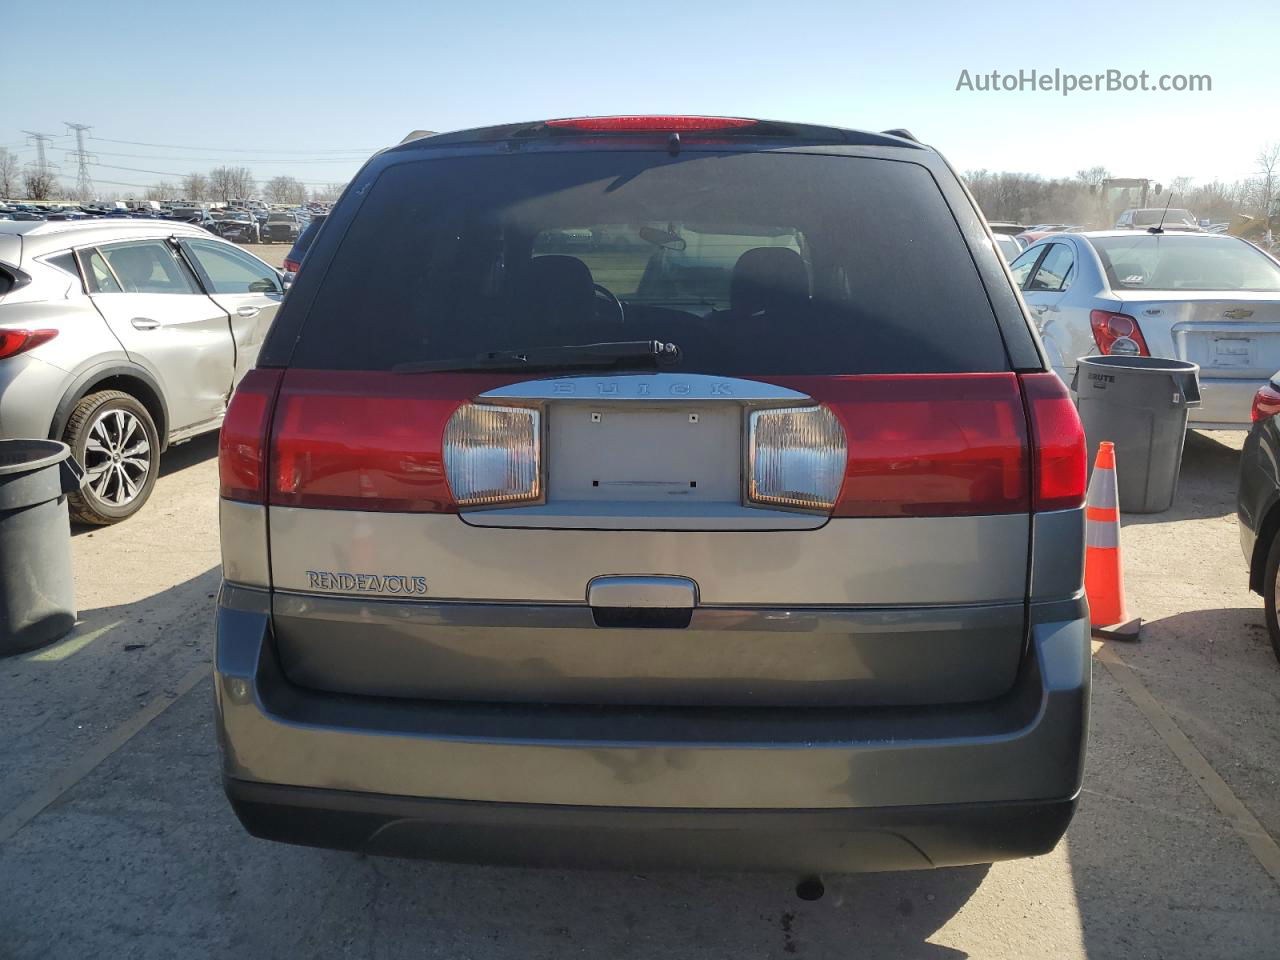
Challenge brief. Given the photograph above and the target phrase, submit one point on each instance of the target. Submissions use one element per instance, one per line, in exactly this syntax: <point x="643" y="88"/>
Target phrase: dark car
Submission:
<point x="293" y="259"/>
<point x="608" y="492"/>
<point x="1258" y="503"/>
<point x="281" y="228"/>
<point x="237" y="225"/>
<point x="194" y="215"/>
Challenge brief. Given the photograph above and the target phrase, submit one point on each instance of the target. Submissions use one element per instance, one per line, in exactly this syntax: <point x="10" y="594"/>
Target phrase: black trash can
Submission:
<point x="1141" y="405"/>
<point x="37" y="596"/>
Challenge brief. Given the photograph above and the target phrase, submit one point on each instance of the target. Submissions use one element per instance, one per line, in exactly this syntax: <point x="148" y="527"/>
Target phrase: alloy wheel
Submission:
<point x="117" y="457"/>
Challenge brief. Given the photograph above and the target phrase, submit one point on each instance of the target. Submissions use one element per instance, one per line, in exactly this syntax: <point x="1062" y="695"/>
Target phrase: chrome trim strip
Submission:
<point x="669" y="387"/>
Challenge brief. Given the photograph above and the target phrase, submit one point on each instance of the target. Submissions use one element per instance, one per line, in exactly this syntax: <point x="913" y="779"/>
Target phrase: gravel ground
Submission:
<point x="140" y="856"/>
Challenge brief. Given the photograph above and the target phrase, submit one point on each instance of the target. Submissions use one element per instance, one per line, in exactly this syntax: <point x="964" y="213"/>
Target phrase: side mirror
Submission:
<point x="265" y="285"/>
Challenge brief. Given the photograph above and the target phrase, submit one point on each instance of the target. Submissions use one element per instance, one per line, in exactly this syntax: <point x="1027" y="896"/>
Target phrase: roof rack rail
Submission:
<point x="901" y="132"/>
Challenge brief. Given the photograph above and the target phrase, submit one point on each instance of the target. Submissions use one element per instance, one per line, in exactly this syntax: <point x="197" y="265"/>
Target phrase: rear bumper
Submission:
<point x="822" y="789"/>
<point x="803" y="841"/>
<point x="1224" y="404"/>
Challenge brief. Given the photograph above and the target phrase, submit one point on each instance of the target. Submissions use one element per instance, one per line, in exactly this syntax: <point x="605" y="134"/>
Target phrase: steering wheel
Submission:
<point x="604" y="293"/>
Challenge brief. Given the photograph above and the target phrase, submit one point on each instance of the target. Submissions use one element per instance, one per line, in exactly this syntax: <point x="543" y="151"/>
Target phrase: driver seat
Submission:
<point x="559" y="292"/>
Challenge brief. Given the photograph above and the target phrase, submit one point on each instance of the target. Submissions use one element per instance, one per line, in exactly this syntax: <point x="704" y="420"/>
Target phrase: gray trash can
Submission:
<point x="1141" y="405"/>
<point x="37" y="596"/>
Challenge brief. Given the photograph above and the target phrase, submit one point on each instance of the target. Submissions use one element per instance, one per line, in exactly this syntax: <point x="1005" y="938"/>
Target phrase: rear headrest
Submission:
<point x="768" y="278"/>
<point x="560" y="290"/>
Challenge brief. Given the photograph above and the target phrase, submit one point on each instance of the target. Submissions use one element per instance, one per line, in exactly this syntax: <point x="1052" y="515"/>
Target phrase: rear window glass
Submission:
<point x="1180" y="262"/>
<point x="1145" y="218"/>
<point x="752" y="263"/>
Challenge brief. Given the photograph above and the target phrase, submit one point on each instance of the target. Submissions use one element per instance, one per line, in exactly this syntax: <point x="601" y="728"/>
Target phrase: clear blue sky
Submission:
<point x="309" y="88"/>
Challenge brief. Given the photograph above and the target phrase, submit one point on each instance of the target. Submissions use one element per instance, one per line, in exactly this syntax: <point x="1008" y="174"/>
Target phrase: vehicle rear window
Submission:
<point x="1144" y="218"/>
<point x="1181" y="262"/>
<point x="753" y="263"/>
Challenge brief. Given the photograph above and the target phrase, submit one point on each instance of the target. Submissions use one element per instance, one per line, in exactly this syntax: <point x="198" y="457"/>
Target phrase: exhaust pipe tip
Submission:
<point x="810" y="888"/>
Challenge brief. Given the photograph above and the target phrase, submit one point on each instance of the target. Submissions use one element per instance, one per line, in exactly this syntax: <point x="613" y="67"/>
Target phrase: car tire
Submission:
<point x="114" y="438"/>
<point x="1270" y="585"/>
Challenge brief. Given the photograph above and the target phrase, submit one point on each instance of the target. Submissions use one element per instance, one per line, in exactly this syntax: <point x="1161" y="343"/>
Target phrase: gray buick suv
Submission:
<point x="654" y="492"/>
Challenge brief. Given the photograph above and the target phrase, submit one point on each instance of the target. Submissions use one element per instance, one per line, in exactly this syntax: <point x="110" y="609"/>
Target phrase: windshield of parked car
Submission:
<point x="1149" y="218"/>
<point x="1167" y="262"/>
<point x="753" y="263"/>
<point x="280" y="218"/>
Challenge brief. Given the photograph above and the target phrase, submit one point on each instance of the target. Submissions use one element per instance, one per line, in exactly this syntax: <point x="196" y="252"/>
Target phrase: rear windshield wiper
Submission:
<point x="620" y="353"/>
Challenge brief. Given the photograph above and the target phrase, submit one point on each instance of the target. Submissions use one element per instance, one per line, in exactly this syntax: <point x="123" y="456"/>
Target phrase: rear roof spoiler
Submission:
<point x="771" y="129"/>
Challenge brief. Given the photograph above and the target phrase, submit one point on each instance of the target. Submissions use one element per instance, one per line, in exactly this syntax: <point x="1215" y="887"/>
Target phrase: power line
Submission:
<point x="170" y="173"/>
<point x="360" y="158"/>
<point x="177" y="146"/>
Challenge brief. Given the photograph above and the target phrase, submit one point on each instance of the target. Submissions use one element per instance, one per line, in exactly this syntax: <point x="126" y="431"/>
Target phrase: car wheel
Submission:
<point x="1271" y="593"/>
<point x="114" y="438"/>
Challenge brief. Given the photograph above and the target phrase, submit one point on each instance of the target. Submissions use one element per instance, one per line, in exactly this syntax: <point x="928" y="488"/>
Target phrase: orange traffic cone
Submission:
<point x="1103" y="571"/>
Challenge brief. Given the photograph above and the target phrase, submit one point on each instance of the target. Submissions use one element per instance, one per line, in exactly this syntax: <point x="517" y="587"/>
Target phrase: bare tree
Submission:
<point x="40" y="184"/>
<point x="285" y="190"/>
<point x="10" y="176"/>
<point x="228" y="182"/>
<point x="195" y="186"/>
<point x="1093" y="176"/>
<point x="161" y="191"/>
<point x="328" y="193"/>
<point x="1267" y="181"/>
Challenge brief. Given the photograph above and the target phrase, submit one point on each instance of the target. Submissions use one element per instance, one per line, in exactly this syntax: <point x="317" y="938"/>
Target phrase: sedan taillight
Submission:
<point x="1117" y="334"/>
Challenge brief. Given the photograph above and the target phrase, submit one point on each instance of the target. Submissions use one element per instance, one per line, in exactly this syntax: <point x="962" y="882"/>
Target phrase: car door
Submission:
<point x="1046" y="289"/>
<point x="248" y="290"/>
<point x="152" y="303"/>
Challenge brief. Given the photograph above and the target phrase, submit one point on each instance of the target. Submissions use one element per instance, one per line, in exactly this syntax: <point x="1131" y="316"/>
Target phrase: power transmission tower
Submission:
<point x="82" y="157"/>
<point x="42" y="160"/>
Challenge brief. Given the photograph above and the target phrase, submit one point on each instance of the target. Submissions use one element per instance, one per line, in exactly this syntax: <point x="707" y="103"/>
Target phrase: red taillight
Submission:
<point x="1118" y="334"/>
<point x="640" y="124"/>
<point x="13" y="342"/>
<point x="1057" y="437"/>
<point x="1266" y="403"/>
<point x="242" y="444"/>
<point x="929" y="444"/>
<point x="366" y="441"/>
<point x="292" y="265"/>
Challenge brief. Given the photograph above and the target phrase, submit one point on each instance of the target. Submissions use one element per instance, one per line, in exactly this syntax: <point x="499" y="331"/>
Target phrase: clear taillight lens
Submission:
<point x="491" y="454"/>
<point x="796" y="458"/>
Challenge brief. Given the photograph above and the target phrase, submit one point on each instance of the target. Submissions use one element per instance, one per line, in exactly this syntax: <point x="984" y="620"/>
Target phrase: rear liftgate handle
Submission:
<point x="656" y="602"/>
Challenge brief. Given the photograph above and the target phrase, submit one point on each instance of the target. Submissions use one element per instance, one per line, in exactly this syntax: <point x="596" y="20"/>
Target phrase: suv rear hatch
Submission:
<point x="822" y="496"/>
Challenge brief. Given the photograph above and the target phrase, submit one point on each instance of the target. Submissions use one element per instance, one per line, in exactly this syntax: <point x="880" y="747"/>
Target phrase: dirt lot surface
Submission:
<point x="116" y="841"/>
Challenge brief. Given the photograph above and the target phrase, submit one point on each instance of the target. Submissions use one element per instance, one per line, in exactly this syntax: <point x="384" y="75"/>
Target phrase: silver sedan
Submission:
<point x="1213" y="300"/>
